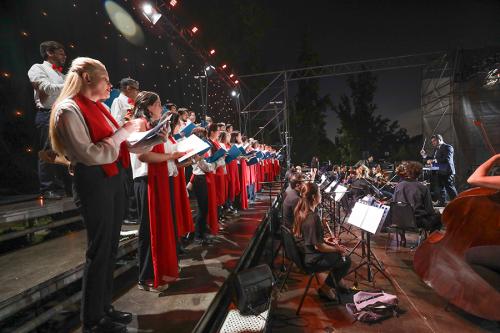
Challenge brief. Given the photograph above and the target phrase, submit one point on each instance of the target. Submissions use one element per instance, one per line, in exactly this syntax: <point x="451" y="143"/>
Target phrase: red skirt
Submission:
<point x="220" y="184"/>
<point x="212" y="221"/>
<point x="244" y="181"/>
<point x="234" y="180"/>
<point x="182" y="207"/>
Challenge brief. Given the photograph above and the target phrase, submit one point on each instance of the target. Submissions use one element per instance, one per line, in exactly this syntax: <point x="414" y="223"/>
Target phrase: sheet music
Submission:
<point x="368" y="218"/>
<point x="340" y="191"/>
<point x="193" y="144"/>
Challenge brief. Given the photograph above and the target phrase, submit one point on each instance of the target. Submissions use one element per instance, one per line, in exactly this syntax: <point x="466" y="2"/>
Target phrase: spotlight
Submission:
<point x="194" y="30"/>
<point x="231" y="75"/>
<point x="173" y="3"/>
<point x="209" y="69"/>
<point x="212" y="51"/>
<point x="224" y="66"/>
<point x="151" y="13"/>
<point x="235" y="93"/>
<point x="236" y="82"/>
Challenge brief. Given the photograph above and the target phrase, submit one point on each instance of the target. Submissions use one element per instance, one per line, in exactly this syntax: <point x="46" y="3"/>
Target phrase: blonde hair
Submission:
<point x="72" y="86"/>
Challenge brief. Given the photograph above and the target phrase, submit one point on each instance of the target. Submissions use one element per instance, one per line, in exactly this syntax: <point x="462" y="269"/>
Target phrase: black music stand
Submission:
<point x="369" y="219"/>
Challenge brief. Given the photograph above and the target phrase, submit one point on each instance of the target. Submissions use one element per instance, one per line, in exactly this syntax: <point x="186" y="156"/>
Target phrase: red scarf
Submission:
<point x="95" y="114"/>
<point x="163" y="245"/>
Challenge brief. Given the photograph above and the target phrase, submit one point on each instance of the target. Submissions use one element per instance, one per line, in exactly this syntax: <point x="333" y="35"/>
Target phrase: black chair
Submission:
<point x="293" y="253"/>
<point x="402" y="219"/>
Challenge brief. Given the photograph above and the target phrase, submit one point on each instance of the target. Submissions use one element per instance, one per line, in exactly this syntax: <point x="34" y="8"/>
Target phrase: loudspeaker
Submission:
<point x="252" y="289"/>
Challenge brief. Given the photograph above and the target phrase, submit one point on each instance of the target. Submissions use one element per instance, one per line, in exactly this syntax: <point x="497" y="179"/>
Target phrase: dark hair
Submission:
<point x="223" y="136"/>
<point x="174" y="120"/>
<point x="308" y="193"/>
<point x="170" y="105"/>
<point x="49" y="46"/>
<point x="219" y="125"/>
<point x="413" y="169"/>
<point x="234" y="135"/>
<point x="228" y="125"/>
<point x="212" y="128"/>
<point x="143" y="100"/>
<point x="438" y="137"/>
<point x="200" y="132"/>
<point x="244" y="138"/>
<point x="125" y="82"/>
<point x="182" y="111"/>
<point x="296" y="179"/>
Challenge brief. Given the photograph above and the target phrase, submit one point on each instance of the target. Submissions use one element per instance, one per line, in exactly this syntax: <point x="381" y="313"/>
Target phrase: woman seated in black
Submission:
<point x="321" y="253"/>
<point x="418" y="196"/>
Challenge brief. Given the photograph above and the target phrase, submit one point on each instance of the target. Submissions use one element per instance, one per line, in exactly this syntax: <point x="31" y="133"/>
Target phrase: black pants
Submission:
<point x="445" y="185"/>
<point x="52" y="177"/>
<point x="484" y="260"/>
<point x="200" y="189"/>
<point x="146" y="271"/>
<point x="335" y="264"/>
<point x="131" y="207"/>
<point x="102" y="206"/>
<point x="429" y="222"/>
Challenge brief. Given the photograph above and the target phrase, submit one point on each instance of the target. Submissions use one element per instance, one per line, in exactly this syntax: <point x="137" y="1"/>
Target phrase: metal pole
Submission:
<point x="286" y="119"/>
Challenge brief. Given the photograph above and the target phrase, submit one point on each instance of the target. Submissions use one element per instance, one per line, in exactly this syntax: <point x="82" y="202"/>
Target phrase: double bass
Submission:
<point x="471" y="219"/>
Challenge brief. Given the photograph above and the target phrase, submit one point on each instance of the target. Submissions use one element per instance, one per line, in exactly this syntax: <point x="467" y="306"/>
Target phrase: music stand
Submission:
<point x="370" y="220"/>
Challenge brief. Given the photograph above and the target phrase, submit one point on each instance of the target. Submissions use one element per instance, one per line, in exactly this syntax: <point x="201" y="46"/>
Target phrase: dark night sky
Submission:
<point x="346" y="31"/>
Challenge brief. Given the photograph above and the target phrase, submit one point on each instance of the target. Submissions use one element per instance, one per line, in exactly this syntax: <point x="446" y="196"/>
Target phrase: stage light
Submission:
<point x="173" y="3"/>
<point x="231" y="75"/>
<point x="125" y="24"/>
<point x="194" y="30"/>
<point x="150" y="13"/>
<point x="212" y="51"/>
<point x="236" y="82"/>
<point x="224" y="66"/>
<point x="235" y="93"/>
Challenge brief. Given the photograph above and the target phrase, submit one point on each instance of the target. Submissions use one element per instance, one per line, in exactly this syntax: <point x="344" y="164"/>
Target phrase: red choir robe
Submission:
<point x="244" y="181"/>
<point x="220" y="180"/>
<point x="212" y="219"/>
<point x="184" y="218"/>
<point x="163" y="244"/>
<point x="233" y="178"/>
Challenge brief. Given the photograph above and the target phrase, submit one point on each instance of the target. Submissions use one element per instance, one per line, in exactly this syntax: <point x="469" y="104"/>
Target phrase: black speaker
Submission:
<point x="252" y="289"/>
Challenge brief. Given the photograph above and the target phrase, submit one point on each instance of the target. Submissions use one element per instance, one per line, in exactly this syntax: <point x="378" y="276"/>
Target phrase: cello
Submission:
<point x="471" y="219"/>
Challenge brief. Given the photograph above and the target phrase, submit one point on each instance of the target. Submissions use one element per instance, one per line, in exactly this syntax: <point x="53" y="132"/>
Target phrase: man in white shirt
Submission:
<point x="47" y="80"/>
<point x="124" y="103"/>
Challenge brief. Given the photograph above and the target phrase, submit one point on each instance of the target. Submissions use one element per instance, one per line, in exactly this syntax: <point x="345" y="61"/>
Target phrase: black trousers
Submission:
<point x="52" y="177"/>
<point x="131" y="207"/>
<point x="200" y="189"/>
<point x="102" y="205"/>
<point x="429" y="222"/>
<point x="333" y="262"/>
<point x="146" y="271"/>
<point x="445" y="185"/>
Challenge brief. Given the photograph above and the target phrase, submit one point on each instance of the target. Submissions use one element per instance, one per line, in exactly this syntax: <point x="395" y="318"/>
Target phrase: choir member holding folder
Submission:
<point x="213" y="137"/>
<point x="157" y="238"/>
<point x="83" y="130"/>
<point x="204" y="188"/>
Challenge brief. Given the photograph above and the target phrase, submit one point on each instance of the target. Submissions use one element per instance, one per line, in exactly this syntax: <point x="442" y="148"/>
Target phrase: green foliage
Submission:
<point x="308" y="113"/>
<point x="361" y="129"/>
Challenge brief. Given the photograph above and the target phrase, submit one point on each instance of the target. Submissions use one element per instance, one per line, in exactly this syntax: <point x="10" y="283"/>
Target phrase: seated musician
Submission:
<point x="418" y="196"/>
<point x="485" y="259"/>
<point x="321" y="253"/>
<point x="291" y="199"/>
<point x="361" y="185"/>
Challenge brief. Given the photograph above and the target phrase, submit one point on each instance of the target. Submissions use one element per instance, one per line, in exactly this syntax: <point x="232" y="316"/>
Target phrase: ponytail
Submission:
<point x="72" y="86"/>
<point x="308" y="194"/>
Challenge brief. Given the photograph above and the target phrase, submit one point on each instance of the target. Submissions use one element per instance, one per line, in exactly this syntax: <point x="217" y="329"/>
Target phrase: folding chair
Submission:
<point x="402" y="219"/>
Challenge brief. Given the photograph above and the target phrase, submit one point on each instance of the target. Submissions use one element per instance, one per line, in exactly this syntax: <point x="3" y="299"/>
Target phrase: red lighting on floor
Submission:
<point x="212" y="52"/>
<point x="173" y="3"/>
<point x="194" y="30"/>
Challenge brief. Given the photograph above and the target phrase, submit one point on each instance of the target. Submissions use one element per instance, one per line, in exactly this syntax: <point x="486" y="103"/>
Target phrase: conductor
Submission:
<point x="442" y="157"/>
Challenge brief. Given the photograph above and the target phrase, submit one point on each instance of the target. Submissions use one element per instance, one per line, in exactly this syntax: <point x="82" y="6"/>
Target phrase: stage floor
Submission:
<point x="424" y="310"/>
<point x="204" y="270"/>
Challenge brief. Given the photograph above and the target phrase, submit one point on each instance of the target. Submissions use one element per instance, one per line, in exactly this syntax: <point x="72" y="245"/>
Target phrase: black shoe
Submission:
<point x="119" y="316"/>
<point x="51" y="195"/>
<point x="106" y="324"/>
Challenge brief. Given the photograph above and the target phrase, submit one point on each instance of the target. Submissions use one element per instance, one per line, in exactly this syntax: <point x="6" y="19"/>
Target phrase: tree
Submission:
<point x="361" y="129"/>
<point x="308" y="113"/>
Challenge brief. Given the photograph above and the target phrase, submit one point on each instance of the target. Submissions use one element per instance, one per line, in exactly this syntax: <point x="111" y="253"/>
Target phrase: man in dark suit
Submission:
<point x="443" y="158"/>
<point x="291" y="199"/>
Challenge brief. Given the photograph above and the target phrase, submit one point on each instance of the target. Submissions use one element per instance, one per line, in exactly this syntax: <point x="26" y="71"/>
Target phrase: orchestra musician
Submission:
<point x="443" y="158"/>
